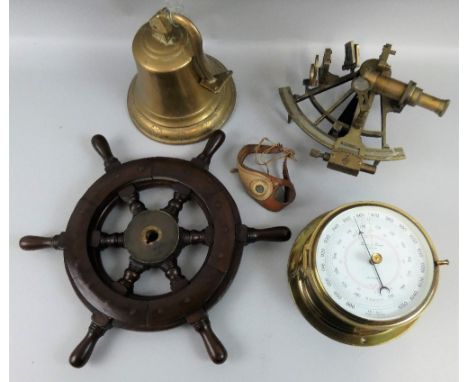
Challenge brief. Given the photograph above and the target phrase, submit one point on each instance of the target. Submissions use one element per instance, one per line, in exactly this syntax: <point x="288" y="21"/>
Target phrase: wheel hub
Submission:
<point x="151" y="237"/>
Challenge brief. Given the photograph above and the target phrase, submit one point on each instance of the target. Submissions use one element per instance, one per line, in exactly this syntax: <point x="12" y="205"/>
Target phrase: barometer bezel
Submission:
<point x="321" y="310"/>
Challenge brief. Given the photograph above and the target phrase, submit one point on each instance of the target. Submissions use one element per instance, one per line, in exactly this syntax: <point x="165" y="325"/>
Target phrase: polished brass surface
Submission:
<point x="348" y="153"/>
<point x="320" y="309"/>
<point x="376" y="258"/>
<point x="151" y="236"/>
<point x="179" y="95"/>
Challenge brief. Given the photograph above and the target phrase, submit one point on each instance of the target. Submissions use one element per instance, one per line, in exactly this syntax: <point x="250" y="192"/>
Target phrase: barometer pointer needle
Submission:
<point x="382" y="287"/>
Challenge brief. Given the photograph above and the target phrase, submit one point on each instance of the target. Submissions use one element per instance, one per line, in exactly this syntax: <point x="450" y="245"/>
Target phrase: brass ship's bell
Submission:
<point x="179" y="95"/>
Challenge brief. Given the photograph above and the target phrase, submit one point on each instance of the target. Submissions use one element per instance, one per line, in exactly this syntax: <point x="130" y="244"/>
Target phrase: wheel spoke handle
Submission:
<point x="102" y="147"/>
<point x="267" y="234"/>
<point x="213" y="345"/>
<point x="31" y="243"/>
<point x="214" y="143"/>
<point x="81" y="354"/>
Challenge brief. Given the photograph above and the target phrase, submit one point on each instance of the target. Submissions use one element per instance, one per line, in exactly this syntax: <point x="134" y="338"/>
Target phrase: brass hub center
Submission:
<point x="152" y="236"/>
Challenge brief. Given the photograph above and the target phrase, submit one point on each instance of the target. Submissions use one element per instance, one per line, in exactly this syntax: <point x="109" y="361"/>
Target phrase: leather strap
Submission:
<point x="263" y="187"/>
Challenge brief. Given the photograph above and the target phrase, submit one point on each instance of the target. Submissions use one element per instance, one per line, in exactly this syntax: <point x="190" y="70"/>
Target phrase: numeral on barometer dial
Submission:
<point x="363" y="273"/>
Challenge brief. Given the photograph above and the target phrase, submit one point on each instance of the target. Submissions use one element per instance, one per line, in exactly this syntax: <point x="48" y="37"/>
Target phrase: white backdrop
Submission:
<point x="71" y="65"/>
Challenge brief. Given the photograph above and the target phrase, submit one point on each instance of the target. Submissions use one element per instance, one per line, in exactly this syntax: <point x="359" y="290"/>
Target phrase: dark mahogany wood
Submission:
<point x="268" y="234"/>
<point x="154" y="239"/>
<point x="102" y="147"/>
<point x="212" y="145"/>
<point x="84" y="349"/>
<point x="213" y="345"/>
<point x="31" y="243"/>
<point x="130" y="196"/>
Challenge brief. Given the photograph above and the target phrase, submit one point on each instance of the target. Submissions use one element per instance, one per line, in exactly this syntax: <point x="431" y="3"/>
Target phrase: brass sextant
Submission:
<point x="348" y="153"/>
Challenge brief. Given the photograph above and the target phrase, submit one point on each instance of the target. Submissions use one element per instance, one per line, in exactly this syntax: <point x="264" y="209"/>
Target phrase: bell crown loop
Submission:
<point x="168" y="42"/>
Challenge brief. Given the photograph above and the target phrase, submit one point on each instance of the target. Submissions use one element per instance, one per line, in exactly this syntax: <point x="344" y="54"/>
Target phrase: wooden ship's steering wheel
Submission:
<point x="154" y="239"/>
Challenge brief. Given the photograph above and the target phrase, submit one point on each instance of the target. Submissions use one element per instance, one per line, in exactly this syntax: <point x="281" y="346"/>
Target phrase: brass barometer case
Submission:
<point x="347" y="115"/>
<point x="179" y="95"/>
<point x="332" y="316"/>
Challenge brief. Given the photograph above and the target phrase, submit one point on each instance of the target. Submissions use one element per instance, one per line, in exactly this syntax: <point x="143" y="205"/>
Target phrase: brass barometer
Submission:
<point x="363" y="273"/>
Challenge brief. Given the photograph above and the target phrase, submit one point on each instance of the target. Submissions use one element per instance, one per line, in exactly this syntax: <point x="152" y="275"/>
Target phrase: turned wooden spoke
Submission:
<point x="31" y="243"/>
<point x="214" y="142"/>
<point x="102" y="147"/>
<point x="112" y="240"/>
<point x="175" y="205"/>
<point x="130" y="196"/>
<point x="104" y="240"/>
<point x="174" y="274"/>
<point x="201" y="323"/>
<point x="130" y="277"/>
<point x="192" y="237"/>
<point x="100" y="324"/>
<point x="251" y="235"/>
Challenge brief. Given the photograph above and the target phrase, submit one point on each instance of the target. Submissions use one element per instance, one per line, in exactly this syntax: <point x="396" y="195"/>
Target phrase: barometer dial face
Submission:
<point x="374" y="263"/>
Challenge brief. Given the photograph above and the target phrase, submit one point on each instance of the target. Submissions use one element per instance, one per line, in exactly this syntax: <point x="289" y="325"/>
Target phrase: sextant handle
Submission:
<point x="215" y="141"/>
<point x="268" y="234"/>
<point x="31" y="243"/>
